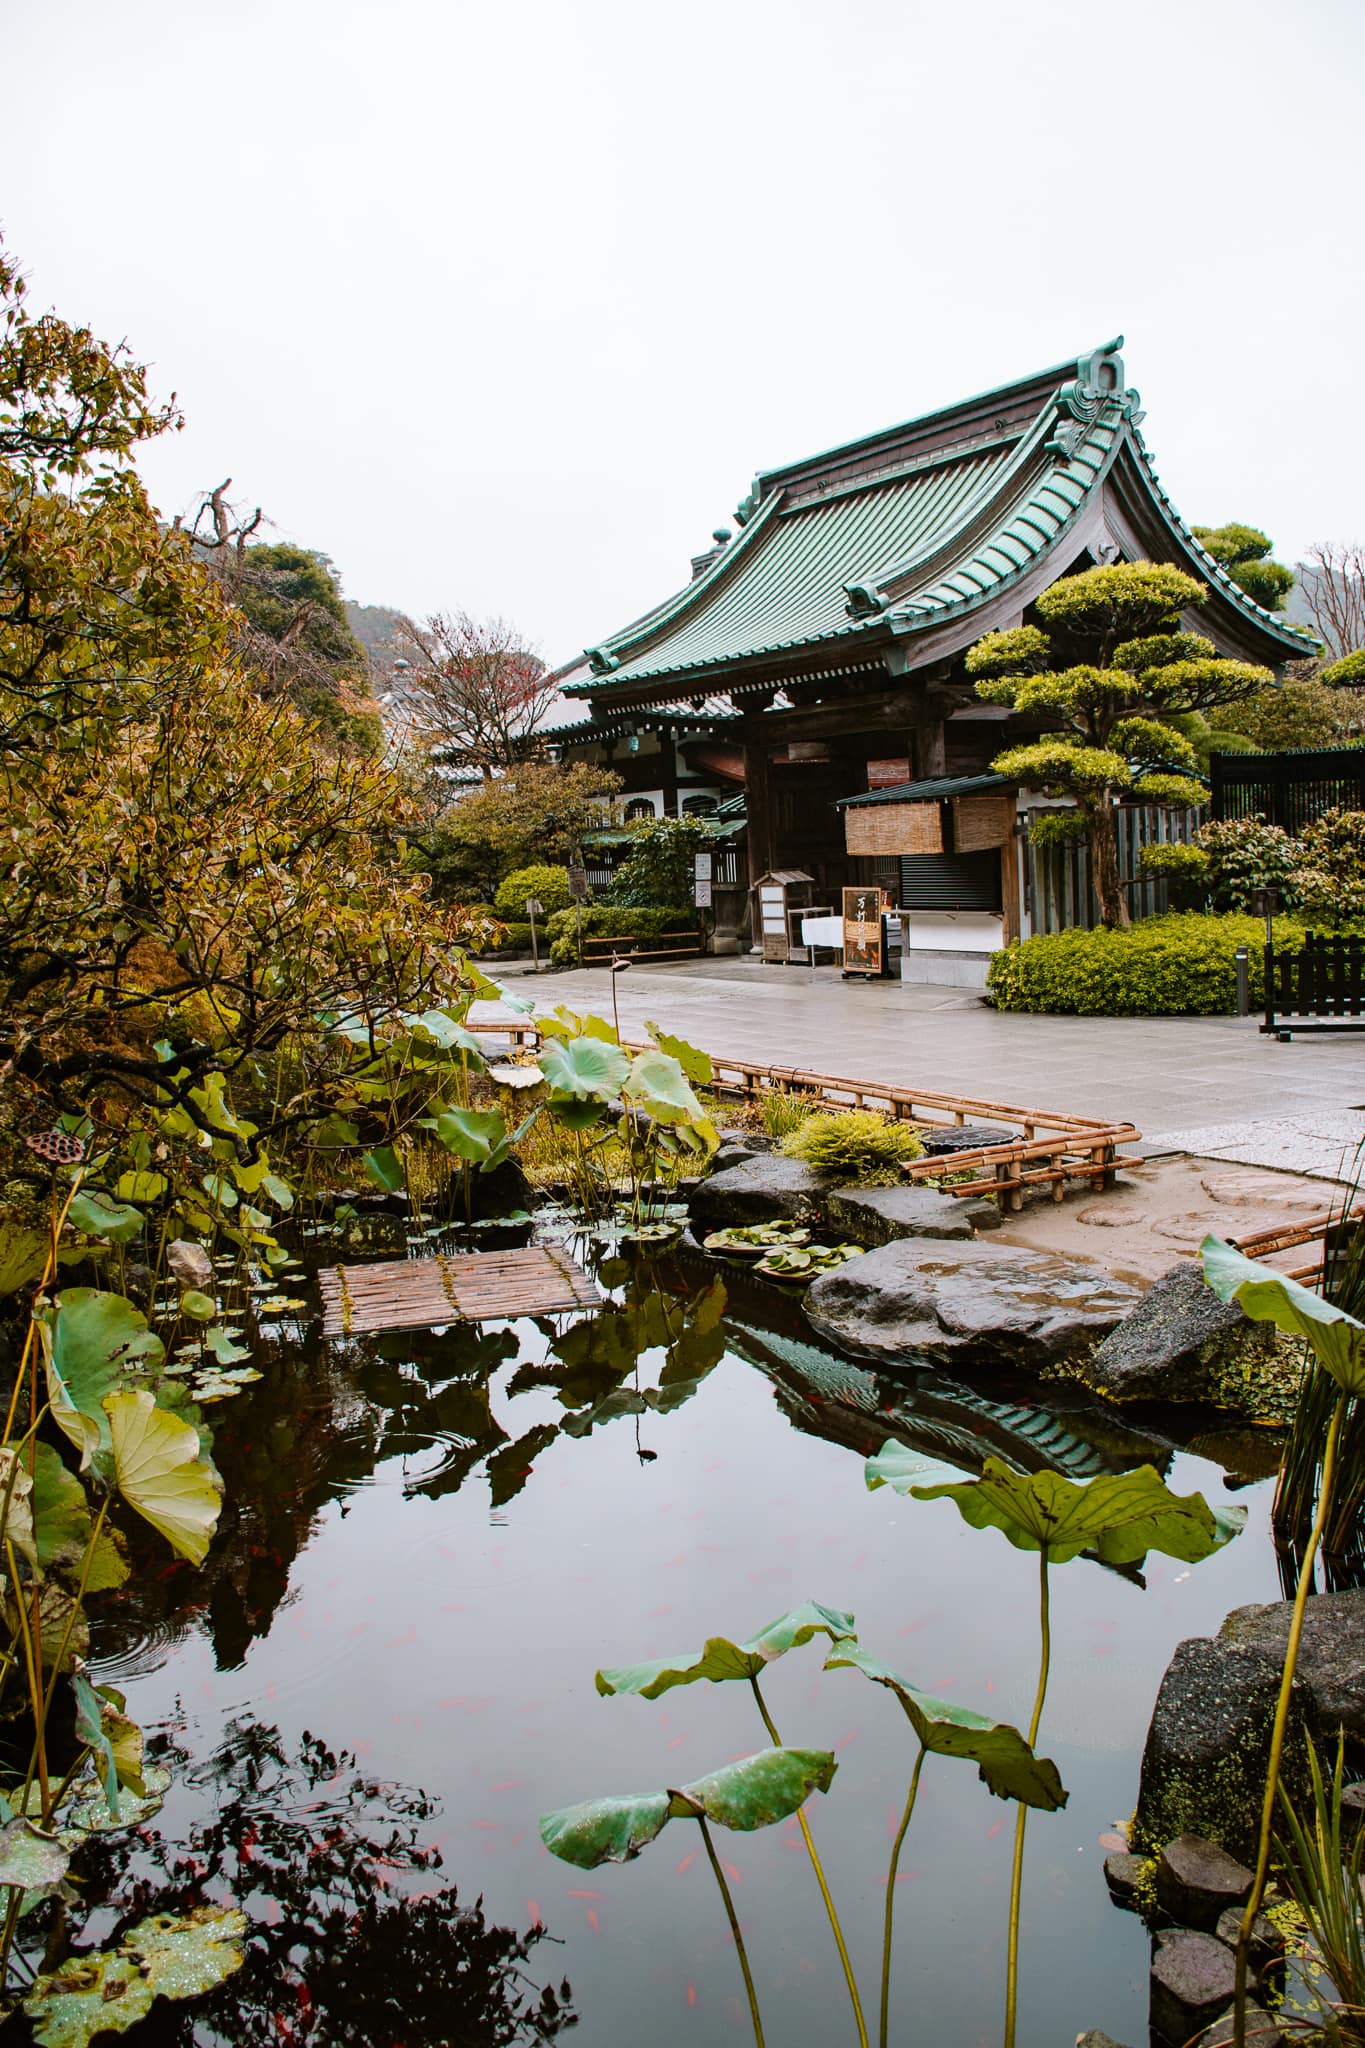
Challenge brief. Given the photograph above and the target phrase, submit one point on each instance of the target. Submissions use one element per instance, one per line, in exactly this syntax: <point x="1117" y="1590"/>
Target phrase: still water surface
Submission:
<point x="419" y="1571"/>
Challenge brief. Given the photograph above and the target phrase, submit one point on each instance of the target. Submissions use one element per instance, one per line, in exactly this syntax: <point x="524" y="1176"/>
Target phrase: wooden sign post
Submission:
<point x="863" y="932"/>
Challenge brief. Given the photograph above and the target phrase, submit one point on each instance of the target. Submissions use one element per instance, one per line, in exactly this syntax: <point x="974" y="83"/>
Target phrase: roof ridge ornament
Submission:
<point x="1098" y="382"/>
<point x="600" y="662"/>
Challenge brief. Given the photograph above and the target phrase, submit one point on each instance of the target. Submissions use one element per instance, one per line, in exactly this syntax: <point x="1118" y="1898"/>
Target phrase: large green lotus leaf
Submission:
<point x="474" y="1135"/>
<point x="61" y="1514"/>
<point x="611" y="1830"/>
<point x="722" y="1659"/>
<point x="1118" y="1517"/>
<point x="30" y="1858"/>
<point x="584" y="1067"/>
<point x="140" y="1186"/>
<point x="656" y="1083"/>
<point x="758" y="1790"/>
<point x="577" y="1112"/>
<point x="385" y="1168"/>
<point x="563" y="1022"/>
<point x="1003" y="1758"/>
<point x="159" y="1471"/>
<point x="694" y="1063"/>
<point x="23" y="1255"/>
<point x="95" y="1336"/>
<point x="100" y="1216"/>
<point x="111" y="1990"/>
<point x="90" y="1815"/>
<point x="1337" y="1340"/>
<point x="497" y="992"/>
<point x="439" y="1028"/>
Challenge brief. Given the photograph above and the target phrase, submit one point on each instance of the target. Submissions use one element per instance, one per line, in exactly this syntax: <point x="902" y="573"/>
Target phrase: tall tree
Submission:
<point x="1333" y="586"/>
<point x="537" y="811"/>
<point x="478" y="692"/>
<point x="1244" y="552"/>
<point x="1111" y="666"/>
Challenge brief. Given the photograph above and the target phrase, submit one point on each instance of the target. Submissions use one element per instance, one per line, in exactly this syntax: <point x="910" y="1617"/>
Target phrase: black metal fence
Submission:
<point x="1289" y="789"/>
<point x="1323" y="982"/>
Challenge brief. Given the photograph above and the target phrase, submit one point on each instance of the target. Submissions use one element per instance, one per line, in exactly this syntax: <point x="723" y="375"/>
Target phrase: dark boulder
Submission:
<point x="875" y="1216"/>
<point x="759" y="1190"/>
<point x="1095" y="2039"/>
<point x="1178" y="1344"/>
<point x="1192" y="1981"/>
<point x="1208" y="1745"/>
<point x="924" y="1300"/>
<point x="1267" y="1943"/>
<point x="1123" y="1873"/>
<point x="1262" y="2031"/>
<point x="1196" y="1881"/>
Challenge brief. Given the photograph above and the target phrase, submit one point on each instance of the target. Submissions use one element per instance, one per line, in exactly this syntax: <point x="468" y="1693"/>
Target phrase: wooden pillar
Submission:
<point x="928" y="751"/>
<point x="1009" y="888"/>
<point x="758" y="797"/>
<point x="668" y="770"/>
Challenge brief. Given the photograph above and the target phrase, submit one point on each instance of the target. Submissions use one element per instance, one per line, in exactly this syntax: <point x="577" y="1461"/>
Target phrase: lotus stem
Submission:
<point x="891" y="1892"/>
<point x="1281" y="1722"/>
<point x="733" y="1917"/>
<point x="1017" y="1873"/>
<point x="818" y="1868"/>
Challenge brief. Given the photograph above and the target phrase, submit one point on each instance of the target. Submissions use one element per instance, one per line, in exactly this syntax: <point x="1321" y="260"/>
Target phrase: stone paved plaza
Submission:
<point x="1211" y="1085"/>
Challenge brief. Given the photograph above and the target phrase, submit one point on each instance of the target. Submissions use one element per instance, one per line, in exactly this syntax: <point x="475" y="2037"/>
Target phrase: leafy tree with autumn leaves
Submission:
<point x="1107" y="667"/>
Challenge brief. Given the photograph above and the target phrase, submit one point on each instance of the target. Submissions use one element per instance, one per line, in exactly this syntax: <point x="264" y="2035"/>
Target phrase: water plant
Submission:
<point x="1116" y="1517"/>
<point x="1337" y="1342"/>
<point x="721" y="1659"/>
<point x="1322" y="1868"/>
<point x="804" y="1263"/>
<point x="754" y="1792"/>
<point x="755" y="1240"/>
<point x="1005" y="1763"/>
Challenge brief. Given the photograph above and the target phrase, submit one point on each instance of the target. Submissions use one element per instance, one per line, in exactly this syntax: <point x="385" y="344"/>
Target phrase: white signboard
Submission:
<point x="701" y="867"/>
<point x="701" y="894"/>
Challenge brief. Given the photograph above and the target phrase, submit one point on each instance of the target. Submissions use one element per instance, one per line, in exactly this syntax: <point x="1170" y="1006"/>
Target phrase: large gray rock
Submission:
<point x="1262" y="2031"/>
<point x="1267" y="1943"/>
<point x="1208" y="1745"/>
<point x="1196" y="1881"/>
<point x="925" y="1300"/>
<point x="880" y="1215"/>
<point x="759" y="1190"/>
<point x="1178" y="1343"/>
<point x="1192" y="1980"/>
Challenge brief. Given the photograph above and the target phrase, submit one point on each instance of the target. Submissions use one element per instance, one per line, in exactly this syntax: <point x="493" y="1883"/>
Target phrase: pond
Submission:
<point x="427" y="1553"/>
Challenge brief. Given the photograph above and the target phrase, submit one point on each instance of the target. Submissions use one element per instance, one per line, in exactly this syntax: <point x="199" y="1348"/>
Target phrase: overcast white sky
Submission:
<point x="502" y="305"/>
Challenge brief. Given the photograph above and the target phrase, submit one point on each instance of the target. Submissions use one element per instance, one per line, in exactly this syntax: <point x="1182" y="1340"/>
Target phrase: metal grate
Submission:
<point x="417" y="1294"/>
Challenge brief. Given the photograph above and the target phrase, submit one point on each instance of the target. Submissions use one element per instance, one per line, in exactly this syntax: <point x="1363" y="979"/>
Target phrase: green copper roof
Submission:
<point x="934" y="789"/>
<point x="885" y="537"/>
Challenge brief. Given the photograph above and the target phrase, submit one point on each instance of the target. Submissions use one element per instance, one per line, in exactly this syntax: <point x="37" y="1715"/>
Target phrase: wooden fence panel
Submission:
<point x="1060" y="894"/>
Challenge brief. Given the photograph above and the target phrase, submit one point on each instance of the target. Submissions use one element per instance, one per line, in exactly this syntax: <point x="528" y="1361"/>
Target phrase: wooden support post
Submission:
<point x="758" y="797"/>
<point x="668" y="747"/>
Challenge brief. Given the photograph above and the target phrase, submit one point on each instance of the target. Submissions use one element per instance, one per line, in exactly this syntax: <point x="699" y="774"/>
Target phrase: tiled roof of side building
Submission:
<point x="928" y="791"/>
<point x="898" y="532"/>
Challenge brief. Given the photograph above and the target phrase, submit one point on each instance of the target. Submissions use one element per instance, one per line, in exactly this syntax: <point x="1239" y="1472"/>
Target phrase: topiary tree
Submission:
<point x="1112" y="665"/>
<point x="548" y="885"/>
<point x="1244" y="551"/>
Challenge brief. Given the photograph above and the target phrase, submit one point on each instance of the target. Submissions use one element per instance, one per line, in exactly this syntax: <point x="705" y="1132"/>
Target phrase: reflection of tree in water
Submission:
<point x="327" y="1418"/>
<point x="354" y="1940"/>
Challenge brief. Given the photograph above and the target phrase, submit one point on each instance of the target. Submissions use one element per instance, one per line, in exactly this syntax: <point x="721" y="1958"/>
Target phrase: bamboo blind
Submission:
<point x="983" y="821"/>
<point x="894" y="828"/>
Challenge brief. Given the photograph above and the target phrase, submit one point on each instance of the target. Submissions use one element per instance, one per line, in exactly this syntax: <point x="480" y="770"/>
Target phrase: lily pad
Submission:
<point x="111" y="1990"/>
<point x="753" y="1240"/>
<point x="723" y="1659"/>
<point x="89" y="1813"/>
<point x="752" y="1793"/>
<point x="31" y="1858"/>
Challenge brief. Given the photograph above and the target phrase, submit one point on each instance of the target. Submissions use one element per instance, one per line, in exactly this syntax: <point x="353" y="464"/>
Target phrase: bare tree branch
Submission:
<point x="1334" y="592"/>
<point x="479" y="692"/>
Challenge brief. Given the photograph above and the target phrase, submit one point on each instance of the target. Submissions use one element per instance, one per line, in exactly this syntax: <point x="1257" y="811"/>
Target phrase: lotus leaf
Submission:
<point x="16" y="1490"/>
<point x="478" y="1136"/>
<point x="385" y="1168"/>
<point x="496" y="991"/>
<point x="1336" y="1339"/>
<point x="577" y="1112"/>
<point x="694" y="1063"/>
<point x="160" y="1473"/>
<point x="1004" y="1760"/>
<point x="753" y="1793"/>
<point x="752" y="1240"/>
<point x="140" y="1187"/>
<point x="98" y="1216"/>
<point x="23" y="1255"/>
<point x="31" y="1858"/>
<point x="657" y="1084"/>
<point x="111" y="1990"/>
<point x="584" y="1067"/>
<point x="442" y="1029"/>
<point x="806" y="1263"/>
<point x="91" y="1729"/>
<point x="91" y="1338"/>
<point x="1118" y="1517"/>
<point x="200" y="1308"/>
<point x="220" y="1342"/>
<point x="722" y="1659"/>
<point x="90" y="1815"/>
<point x="563" y="1022"/>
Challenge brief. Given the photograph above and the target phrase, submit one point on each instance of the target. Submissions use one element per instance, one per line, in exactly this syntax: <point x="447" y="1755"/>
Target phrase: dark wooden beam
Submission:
<point x="669" y="752"/>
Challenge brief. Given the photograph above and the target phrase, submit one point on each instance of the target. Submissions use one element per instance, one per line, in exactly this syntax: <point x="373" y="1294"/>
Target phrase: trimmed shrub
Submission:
<point x="1182" y="965"/>
<point x="548" y="885"/>
<point x="1246" y="854"/>
<point x="603" y="921"/>
<point x="854" y="1144"/>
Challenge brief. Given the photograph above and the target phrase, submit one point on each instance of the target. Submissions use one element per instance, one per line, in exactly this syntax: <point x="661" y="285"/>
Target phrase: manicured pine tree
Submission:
<point x="1109" y="664"/>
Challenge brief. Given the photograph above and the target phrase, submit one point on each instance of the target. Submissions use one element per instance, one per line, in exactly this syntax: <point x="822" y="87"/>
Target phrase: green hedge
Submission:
<point x="603" y="921"/>
<point x="546" y="884"/>
<point x="1176" y="966"/>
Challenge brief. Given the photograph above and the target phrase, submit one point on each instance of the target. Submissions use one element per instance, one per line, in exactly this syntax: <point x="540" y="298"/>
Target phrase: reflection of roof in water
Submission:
<point x="830" y="1396"/>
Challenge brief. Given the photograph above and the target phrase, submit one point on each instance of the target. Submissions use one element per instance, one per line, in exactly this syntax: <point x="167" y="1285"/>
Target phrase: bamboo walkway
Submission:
<point x="475" y="1287"/>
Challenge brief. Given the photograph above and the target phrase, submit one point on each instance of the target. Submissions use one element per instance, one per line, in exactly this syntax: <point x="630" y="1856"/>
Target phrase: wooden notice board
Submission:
<point x="863" y="930"/>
